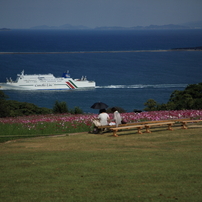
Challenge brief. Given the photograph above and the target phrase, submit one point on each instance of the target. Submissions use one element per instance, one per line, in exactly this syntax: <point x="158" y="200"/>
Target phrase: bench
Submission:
<point x="148" y="126"/>
<point x="184" y="123"/>
<point x="143" y="123"/>
<point x="170" y="122"/>
<point x="139" y="127"/>
<point x="120" y="125"/>
<point x="167" y="120"/>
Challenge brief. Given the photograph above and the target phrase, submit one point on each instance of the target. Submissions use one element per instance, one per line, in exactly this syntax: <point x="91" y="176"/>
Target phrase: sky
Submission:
<point x="23" y="14"/>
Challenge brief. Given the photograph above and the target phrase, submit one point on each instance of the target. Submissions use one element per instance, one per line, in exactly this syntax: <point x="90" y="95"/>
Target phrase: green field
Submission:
<point x="161" y="166"/>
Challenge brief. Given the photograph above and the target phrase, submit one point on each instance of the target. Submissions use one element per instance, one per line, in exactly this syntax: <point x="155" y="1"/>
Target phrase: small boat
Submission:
<point x="46" y="82"/>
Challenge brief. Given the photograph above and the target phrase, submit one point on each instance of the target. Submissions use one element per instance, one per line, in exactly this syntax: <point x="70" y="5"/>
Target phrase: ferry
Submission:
<point x="46" y="82"/>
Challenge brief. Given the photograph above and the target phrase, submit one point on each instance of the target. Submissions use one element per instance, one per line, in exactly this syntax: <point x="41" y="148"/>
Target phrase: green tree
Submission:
<point x="3" y="96"/>
<point x="4" y="111"/>
<point x="60" y="107"/>
<point x="195" y="90"/>
<point x="16" y="108"/>
<point x="12" y="108"/>
<point x="151" y="105"/>
<point x="190" y="98"/>
<point x="197" y="103"/>
<point x="76" y="110"/>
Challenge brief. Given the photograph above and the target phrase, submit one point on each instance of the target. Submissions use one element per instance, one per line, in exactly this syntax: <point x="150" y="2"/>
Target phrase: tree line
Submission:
<point x="12" y="108"/>
<point x="189" y="98"/>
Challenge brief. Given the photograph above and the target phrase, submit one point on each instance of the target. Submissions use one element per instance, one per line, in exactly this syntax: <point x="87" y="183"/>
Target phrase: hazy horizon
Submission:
<point x="23" y="14"/>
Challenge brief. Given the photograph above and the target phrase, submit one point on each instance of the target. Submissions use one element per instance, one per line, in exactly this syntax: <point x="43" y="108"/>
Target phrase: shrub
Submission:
<point x="12" y="108"/>
<point x="60" y="108"/>
<point x="190" y="98"/>
<point x="76" y="110"/>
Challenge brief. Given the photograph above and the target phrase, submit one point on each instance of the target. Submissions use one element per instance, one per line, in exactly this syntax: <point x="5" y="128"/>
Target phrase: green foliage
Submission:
<point x="190" y="98"/>
<point x="151" y="105"/>
<point x="76" y="110"/>
<point x="3" y="96"/>
<point x="60" y="107"/>
<point x="3" y="107"/>
<point x="12" y="108"/>
<point x="15" y="108"/>
<point x="4" y="110"/>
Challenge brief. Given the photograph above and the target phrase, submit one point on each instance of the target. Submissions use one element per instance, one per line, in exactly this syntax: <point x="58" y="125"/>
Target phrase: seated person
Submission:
<point x="102" y="120"/>
<point x="103" y="117"/>
<point x="117" y="117"/>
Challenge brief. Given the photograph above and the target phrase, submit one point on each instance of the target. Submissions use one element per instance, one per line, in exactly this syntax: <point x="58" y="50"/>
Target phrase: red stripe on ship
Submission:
<point x="70" y="85"/>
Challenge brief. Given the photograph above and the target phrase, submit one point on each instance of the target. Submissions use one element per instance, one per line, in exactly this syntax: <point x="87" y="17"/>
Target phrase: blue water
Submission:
<point x="124" y="78"/>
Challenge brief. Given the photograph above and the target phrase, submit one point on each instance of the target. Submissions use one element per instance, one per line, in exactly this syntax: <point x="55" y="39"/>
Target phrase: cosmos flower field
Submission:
<point x="66" y="123"/>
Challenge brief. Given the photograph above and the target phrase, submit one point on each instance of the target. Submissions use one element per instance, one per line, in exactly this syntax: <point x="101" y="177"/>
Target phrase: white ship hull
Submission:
<point x="46" y="82"/>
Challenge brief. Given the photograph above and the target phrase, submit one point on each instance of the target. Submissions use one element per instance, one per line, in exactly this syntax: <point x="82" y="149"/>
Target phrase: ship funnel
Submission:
<point x="66" y="74"/>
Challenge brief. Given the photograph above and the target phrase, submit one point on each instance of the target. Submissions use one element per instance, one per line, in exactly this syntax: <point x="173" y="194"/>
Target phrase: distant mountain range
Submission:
<point x="190" y="25"/>
<point x="170" y="26"/>
<point x="66" y="26"/>
<point x="4" y="29"/>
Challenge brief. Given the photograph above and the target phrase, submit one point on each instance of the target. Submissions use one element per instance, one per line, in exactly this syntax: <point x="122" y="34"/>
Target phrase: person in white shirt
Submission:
<point x="117" y="117"/>
<point x="103" y="117"/>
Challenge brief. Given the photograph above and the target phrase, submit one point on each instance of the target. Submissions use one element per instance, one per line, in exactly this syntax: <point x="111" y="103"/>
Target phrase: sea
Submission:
<point x="128" y="66"/>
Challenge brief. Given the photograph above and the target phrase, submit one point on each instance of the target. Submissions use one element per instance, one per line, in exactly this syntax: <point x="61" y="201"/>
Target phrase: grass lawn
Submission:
<point x="161" y="166"/>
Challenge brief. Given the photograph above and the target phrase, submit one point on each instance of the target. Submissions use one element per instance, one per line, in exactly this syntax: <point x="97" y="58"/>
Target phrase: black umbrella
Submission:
<point x="99" y="105"/>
